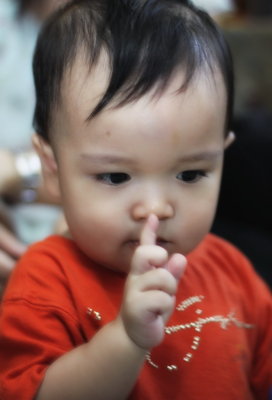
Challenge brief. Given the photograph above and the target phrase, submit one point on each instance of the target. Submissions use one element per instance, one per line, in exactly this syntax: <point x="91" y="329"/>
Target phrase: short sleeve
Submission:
<point x="36" y="325"/>
<point x="24" y="359"/>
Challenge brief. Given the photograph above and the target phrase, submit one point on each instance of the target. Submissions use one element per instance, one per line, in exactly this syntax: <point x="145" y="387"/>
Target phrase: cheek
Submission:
<point x="89" y="215"/>
<point x="194" y="229"/>
<point x="197" y="219"/>
<point x="96" y="232"/>
<point x="202" y="218"/>
<point x="207" y="204"/>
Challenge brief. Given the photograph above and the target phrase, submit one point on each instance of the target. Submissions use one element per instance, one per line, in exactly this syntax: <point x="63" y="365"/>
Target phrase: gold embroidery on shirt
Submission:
<point x="223" y="321"/>
<point x="197" y="325"/>
<point x="95" y="314"/>
<point x="189" y="302"/>
<point x="172" y="367"/>
<point x="148" y="359"/>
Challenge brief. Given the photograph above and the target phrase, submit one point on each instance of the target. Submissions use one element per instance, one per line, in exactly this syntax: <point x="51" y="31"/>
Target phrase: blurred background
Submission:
<point x="27" y="213"/>
<point x="244" y="214"/>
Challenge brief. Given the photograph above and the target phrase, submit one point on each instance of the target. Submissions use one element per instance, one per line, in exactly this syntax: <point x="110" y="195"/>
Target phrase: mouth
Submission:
<point x="162" y="242"/>
<point x="159" y="242"/>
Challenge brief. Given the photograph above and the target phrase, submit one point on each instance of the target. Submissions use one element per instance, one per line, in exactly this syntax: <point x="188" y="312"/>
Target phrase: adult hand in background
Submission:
<point x="9" y="177"/>
<point x="10" y="250"/>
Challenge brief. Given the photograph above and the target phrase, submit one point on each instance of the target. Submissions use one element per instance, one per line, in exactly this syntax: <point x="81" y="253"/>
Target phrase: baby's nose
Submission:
<point x="159" y="206"/>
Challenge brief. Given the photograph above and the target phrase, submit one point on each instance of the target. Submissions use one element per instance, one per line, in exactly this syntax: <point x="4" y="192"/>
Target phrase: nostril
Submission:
<point x="160" y="209"/>
<point x="139" y="212"/>
<point x="166" y="212"/>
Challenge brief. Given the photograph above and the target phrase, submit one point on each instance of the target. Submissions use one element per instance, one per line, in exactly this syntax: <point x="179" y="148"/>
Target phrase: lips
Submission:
<point x="133" y="243"/>
<point x="159" y="242"/>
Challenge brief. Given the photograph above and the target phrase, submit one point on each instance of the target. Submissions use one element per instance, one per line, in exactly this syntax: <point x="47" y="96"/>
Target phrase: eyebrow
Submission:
<point x="203" y="156"/>
<point x="122" y="159"/>
<point x="106" y="158"/>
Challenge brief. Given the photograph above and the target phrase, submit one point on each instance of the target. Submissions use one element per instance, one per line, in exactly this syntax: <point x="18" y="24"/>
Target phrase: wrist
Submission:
<point x="28" y="168"/>
<point x="121" y="332"/>
<point x="9" y="177"/>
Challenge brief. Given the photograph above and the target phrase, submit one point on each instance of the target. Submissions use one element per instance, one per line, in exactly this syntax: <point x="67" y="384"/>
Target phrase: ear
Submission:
<point x="48" y="165"/>
<point x="230" y="138"/>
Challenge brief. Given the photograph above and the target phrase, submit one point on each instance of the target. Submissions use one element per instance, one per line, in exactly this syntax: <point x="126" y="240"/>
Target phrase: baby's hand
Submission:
<point x="151" y="286"/>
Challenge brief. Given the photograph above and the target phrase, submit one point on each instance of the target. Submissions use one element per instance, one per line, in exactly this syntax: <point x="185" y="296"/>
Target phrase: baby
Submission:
<point x="134" y="102"/>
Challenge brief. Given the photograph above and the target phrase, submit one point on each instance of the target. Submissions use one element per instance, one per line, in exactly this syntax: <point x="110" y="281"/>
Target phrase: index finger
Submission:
<point x="149" y="232"/>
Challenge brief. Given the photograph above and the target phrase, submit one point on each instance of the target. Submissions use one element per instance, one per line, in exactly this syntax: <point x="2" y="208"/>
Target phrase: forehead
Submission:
<point x="82" y="88"/>
<point x="84" y="85"/>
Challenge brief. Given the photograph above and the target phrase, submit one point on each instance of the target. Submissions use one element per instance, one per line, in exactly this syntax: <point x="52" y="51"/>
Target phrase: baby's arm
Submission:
<point x="107" y="367"/>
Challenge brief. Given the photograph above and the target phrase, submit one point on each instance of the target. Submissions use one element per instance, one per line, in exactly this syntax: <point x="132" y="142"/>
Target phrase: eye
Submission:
<point x="114" y="178"/>
<point x="191" y="176"/>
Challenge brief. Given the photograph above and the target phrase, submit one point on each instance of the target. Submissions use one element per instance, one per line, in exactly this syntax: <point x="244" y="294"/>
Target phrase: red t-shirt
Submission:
<point x="217" y="343"/>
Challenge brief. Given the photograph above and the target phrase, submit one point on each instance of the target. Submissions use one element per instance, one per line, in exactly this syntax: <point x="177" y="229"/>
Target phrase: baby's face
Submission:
<point x="161" y="156"/>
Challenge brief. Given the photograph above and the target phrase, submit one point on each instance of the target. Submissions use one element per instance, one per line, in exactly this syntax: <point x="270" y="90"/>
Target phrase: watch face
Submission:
<point x="28" y="195"/>
<point x="29" y="167"/>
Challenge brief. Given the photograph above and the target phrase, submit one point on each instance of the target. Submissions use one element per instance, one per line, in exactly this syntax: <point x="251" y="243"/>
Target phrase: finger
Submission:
<point x="156" y="279"/>
<point x="147" y="257"/>
<point x="153" y="304"/>
<point x="147" y="317"/>
<point x="159" y="303"/>
<point x="149" y="232"/>
<point x="10" y="244"/>
<point x="176" y="265"/>
<point x="6" y="265"/>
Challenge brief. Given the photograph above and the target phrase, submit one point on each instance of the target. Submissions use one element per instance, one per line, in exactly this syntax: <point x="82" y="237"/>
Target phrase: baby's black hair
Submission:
<point x="146" y="42"/>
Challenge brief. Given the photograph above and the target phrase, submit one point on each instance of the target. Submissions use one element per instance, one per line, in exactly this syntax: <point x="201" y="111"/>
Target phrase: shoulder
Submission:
<point x="57" y="248"/>
<point x="217" y="251"/>
<point x="224" y="261"/>
<point x="54" y="249"/>
<point x="53" y="245"/>
<point x="225" y="275"/>
<point x="43" y="271"/>
<point x="215" y="245"/>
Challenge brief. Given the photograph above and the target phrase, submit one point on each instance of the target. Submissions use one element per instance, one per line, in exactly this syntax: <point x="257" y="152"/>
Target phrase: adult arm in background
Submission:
<point x="12" y="181"/>
<point x="10" y="250"/>
<point x="11" y="185"/>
